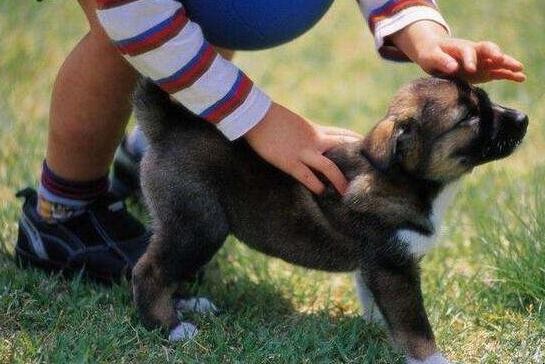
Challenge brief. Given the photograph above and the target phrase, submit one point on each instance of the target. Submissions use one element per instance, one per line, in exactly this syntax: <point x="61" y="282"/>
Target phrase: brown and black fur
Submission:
<point x="199" y="188"/>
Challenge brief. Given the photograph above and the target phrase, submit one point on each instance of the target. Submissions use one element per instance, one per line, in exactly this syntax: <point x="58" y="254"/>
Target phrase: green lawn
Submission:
<point x="484" y="287"/>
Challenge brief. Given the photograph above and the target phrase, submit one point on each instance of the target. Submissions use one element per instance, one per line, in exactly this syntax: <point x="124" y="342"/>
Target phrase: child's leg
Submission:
<point x="90" y="106"/>
<point x="91" y="229"/>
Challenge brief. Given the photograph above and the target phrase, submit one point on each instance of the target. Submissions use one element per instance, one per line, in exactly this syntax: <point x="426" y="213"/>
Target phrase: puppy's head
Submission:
<point x="439" y="129"/>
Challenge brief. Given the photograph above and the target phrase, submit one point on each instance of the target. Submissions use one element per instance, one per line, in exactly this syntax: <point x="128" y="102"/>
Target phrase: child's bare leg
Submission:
<point x="91" y="103"/>
<point x="90" y="106"/>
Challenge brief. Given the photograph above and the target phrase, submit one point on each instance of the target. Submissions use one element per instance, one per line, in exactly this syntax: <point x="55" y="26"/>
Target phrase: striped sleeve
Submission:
<point x="159" y="40"/>
<point x="385" y="17"/>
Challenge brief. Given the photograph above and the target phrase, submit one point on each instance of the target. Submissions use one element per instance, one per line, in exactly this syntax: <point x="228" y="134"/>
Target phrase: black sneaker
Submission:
<point x="104" y="242"/>
<point x="126" y="172"/>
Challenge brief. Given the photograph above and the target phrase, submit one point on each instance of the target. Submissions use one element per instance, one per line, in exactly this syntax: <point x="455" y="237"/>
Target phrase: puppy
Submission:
<point x="199" y="188"/>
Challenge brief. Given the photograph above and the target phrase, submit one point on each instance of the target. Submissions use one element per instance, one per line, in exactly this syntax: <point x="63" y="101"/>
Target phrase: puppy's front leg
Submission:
<point x="396" y="290"/>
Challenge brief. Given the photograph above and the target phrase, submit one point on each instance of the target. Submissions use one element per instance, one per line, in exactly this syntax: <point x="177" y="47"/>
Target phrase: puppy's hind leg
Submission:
<point x="152" y="293"/>
<point x="184" y="240"/>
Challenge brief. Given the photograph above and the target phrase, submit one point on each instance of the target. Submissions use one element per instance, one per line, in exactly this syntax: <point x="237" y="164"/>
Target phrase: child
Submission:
<point x="74" y="222"/>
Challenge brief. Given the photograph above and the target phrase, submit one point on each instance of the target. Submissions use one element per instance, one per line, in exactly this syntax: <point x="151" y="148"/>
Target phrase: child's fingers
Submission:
<point x="440" y="62"/>
<point x="512" y="64"/>
<point x="490" y="50"/>
<point x="469" y="58"/>
<point x="464" y="51"/>
<point x="325" y="166"/>
<point x="329" y="141"/>
<point x="330" y="171"/>
<point x="305" y="175"/>
<point x="505" y="74"/>
<point x="495" y="57"/>
<point x="332" y="130"/>
<point x="505" y="61"/>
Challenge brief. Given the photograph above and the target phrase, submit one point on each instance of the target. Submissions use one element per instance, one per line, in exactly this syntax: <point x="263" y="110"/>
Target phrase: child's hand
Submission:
<point x="296" y="146"/>
<point x="428" y="44"/>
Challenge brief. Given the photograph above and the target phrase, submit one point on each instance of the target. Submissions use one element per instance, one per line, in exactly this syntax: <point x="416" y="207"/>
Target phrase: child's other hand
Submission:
<point x="428" y="44"/>
<point x="296" y="146"/>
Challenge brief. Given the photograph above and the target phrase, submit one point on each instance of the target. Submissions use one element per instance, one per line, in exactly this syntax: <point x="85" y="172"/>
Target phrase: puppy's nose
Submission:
<point x="517" y="118"/>
<point x="520" y="119"/>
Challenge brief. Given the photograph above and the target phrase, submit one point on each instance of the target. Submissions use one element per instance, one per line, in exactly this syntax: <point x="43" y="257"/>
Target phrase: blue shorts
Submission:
<point x="254" y="24"/>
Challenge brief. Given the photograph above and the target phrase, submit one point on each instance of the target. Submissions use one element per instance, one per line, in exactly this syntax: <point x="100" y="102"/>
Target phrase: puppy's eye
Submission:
<point x="468" y="122"/>
<point x="468" y="119"/>
<point x="405" y="129"/>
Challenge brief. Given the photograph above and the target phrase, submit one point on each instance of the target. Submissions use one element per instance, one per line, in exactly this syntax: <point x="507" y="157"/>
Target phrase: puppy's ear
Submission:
<point x="384" y="144"/>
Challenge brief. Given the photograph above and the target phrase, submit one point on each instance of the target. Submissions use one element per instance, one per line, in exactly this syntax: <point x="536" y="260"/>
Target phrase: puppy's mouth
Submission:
<point x="500" y="149"/>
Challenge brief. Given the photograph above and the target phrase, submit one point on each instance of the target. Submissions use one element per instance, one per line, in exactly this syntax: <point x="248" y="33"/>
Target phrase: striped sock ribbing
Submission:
<point x="60" y="199"/>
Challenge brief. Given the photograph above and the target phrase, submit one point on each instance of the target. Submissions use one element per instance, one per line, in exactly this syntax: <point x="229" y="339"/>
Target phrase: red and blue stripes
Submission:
<point x="231" y="101"/>
<point x="158" y="40"/>
<point x="190" y="72"/>
<point x="82" y="191"/>
<point x="155" y="36"/>
<point x="393" y="7"/>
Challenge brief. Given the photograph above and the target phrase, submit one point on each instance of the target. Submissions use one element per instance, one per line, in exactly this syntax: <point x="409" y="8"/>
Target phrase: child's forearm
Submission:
<point x="388" y="17"/>
<point x="158" y="39"/>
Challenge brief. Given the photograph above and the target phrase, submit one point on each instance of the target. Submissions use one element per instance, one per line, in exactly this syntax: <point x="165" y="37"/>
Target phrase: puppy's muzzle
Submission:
<point x="514" y="121"/>
<point x="509" y="129"/>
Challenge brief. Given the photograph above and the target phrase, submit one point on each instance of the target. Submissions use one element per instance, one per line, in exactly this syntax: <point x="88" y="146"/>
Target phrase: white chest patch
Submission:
<point x="419" y="244"/>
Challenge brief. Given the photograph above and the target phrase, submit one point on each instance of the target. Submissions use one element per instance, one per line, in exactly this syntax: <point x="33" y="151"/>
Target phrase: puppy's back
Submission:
<point x="159" y="116"/>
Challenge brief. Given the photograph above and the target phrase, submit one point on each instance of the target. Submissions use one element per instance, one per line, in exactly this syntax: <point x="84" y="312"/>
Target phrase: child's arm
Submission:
<point x="159" y="40"/>
<point x="428" y="45"/>
<point x="415" y="30"/>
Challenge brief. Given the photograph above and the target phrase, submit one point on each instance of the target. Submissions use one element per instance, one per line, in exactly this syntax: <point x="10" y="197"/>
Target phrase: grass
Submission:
<point x="484" y="288"/>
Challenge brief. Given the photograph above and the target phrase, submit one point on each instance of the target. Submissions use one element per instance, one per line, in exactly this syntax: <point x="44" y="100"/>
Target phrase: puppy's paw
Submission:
<point x="196" y="304"/>
<point x="184" y="331"/>
<point x="436" y="358"/>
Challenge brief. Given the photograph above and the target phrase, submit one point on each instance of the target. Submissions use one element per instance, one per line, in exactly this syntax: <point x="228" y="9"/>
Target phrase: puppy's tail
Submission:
<point x="156" y="113"/>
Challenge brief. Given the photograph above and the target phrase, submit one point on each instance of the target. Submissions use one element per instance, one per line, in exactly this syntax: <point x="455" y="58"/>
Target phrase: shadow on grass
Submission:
<point x="50" y="318"/>
<point x="53" y="318"/>
<point x="259" y="324"/>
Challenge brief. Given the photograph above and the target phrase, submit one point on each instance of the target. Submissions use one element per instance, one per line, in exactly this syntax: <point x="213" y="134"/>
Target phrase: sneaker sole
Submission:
<point x="27" y="260"/>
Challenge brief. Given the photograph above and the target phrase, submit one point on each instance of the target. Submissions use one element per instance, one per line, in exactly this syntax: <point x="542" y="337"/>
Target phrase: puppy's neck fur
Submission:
<point x="410" y="208"/>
